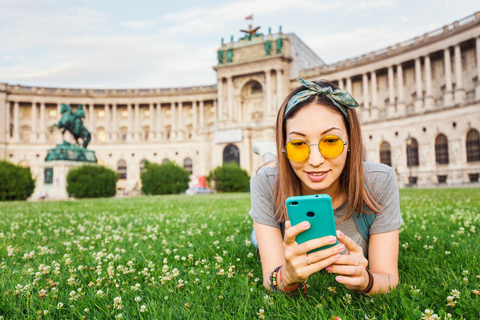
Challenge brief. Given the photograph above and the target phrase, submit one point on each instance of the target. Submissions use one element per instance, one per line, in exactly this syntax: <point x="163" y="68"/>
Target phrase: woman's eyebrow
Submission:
<point x="302" y="134"/>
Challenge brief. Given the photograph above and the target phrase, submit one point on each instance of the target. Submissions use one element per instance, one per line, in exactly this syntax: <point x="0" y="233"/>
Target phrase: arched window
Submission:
<point x="166" y="160"/>
<point x="25" y="134"/>
<point x="412" y="153"/>
<point x="385" y="153"/>
<point x="101" y="134"/>
<point x="188" y="165"/>
<point x="441" y="149"/>
<point x="122" y="169"/>
<point x="142" y="165"/>
<point x="473" y="146"/>
<point x="256" y="87"/>
<point x="231" y="154"/>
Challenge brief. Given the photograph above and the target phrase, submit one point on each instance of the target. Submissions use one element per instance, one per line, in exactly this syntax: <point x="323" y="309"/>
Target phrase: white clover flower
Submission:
<point x="456" y="293"/>
<point x="465" y="272"/>
<point x="59" y="305"/>
<point x="138" y="299"/>
<point x="249" y="255"/>
<point x="143" y="308"/>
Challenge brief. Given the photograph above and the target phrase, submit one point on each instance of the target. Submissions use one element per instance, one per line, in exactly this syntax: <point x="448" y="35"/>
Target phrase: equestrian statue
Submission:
<point x="73" y="123"/>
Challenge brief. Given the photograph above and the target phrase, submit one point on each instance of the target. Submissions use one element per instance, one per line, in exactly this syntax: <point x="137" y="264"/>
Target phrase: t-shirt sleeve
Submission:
<point x="263" y="204"/>
<point x="385" y="187"/>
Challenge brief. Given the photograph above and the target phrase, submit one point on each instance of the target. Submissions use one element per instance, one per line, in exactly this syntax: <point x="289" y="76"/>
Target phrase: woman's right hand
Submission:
<point x="296" y="268"/>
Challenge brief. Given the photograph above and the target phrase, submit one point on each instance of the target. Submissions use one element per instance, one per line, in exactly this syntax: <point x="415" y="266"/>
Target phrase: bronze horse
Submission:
<point x="73" y="123"/>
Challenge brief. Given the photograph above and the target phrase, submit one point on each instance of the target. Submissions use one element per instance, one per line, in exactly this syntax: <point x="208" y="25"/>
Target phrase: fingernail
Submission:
<point x="339" y="279"/>
<point x="332" y="239"/>
<point x="328" y="268"/>
<point x="305" y="225"/>
<point x="340" y="233"/>
<point x="341" y="247"/>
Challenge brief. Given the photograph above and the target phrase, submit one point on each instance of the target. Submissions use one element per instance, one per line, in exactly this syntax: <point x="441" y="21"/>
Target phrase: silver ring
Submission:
<point x="358" y="260"/>
<point x="308" y="260"/>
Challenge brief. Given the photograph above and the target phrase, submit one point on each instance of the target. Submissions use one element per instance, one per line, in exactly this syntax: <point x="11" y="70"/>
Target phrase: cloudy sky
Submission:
<point x="151" y="44"/>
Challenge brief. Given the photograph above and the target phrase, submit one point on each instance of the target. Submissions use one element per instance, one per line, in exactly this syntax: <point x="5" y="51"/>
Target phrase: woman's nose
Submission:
<point x="315" y="158"/>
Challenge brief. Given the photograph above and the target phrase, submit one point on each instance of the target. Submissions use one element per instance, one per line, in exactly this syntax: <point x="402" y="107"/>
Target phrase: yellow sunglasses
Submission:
<point x="330" y="146"/>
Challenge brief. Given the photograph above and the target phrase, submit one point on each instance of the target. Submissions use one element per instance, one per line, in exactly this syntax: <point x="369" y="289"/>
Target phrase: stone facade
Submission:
<point x="426" y="89"/>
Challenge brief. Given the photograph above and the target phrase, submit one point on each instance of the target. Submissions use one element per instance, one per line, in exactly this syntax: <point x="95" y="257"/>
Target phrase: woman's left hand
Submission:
<point x="350" y="267"/>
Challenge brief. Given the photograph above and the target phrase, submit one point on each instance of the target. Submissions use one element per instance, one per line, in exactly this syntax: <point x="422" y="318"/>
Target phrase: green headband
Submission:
<point x="340" y="98"/>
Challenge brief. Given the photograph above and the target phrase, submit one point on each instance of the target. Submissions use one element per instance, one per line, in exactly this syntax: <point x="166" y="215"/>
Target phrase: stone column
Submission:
<point x="391" y="94"/>
<point x="366" y="105"/>
<point x="159" y="122"/>
<point x="42" y="133"/>
<point x="216" y="109"/>
<point x="418" y="81"/>
<point x="202" y="115"/>
<point x="459" y="90"/>
<point x="219" y="100"/>
<point x="279" y="91"/>
<point x="151" y="133"/>
<point x="268" y="101"/>
<point x="349" y="85"/>
<point x="194" y="111"/>
<point x="400" y="103"/>
<point x="114" y="128"/>
<point x="16" y="122"/>
<point x="33" y="136"/>
<point x="429" y="100"/>
<point x="173" y="130"/>
<point x="131" y="131"/>
<point x="7" y="122"/>
<point x="91" y="116"/>
<point x="107" y="123"/>
<point x="477" y="87"/>
<point x="374" y="108"/>
<point x="230" y="98"/>
<point x="138" y="129"/>
<point x="447" y="98"/>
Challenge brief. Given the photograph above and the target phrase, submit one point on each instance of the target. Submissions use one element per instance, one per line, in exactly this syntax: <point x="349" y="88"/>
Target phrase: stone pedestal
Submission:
<point x="52" y="180"/>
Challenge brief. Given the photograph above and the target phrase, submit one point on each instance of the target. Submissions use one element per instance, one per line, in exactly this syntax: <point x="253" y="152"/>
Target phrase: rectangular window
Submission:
<point x="52" y="113"/>
<point x="101" y="113"/>
<point x="124" y="114"/>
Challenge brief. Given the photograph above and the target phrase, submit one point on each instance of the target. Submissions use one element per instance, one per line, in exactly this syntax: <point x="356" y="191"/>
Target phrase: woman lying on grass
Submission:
<point x="319" y="143"/>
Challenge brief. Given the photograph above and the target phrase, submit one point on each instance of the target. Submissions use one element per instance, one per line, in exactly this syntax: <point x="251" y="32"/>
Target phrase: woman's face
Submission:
<point x="317" y="174"/>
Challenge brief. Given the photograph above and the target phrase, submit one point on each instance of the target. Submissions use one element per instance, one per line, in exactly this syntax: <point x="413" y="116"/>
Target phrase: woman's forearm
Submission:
<point x="383" y="283"/>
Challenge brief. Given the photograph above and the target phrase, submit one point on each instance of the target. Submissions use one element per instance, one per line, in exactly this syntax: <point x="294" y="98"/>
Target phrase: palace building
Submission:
<point x="419" y="108"/>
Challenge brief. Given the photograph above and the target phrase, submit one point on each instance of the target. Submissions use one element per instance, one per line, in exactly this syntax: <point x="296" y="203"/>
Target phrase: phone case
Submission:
<point x="316" y="209"/>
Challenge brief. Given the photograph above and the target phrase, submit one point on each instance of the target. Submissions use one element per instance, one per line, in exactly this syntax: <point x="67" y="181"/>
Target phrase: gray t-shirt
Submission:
<point x="382" y="182"/>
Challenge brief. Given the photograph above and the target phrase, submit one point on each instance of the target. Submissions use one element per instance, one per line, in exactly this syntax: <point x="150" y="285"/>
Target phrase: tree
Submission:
<point x="229" y="178"/>
<point x="91" y="181"/>
<point x="16" y="182"/>
<point x="166" y="178"/>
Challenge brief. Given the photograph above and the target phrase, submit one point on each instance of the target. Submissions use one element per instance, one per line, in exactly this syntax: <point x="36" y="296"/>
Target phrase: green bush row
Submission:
<point x="91" y="181"/>
<point x="16" y="182"/>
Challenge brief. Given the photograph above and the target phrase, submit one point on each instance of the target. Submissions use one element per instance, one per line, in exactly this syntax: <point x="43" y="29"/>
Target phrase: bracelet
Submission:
<point x="370" y="283"/>
<point x="273" y="279"/>
<point x="291" y="291"/>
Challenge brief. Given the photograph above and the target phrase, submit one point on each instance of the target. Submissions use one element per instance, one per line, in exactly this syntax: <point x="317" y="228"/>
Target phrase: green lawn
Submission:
<point x="178" y="257"/>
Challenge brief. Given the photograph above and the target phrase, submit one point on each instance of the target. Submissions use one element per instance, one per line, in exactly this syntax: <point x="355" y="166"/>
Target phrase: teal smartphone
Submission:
<point x="316" y="209"/>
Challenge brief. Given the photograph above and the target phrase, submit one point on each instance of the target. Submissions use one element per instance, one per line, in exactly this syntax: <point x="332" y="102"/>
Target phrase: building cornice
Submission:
<point x="428" y="38"/>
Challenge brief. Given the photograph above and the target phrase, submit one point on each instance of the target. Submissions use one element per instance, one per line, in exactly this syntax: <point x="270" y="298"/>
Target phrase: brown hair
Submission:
<point x="352" y="180"/>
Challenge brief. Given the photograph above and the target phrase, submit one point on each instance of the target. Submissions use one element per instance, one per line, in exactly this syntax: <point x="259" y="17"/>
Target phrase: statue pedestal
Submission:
<point x="52" y="181"/>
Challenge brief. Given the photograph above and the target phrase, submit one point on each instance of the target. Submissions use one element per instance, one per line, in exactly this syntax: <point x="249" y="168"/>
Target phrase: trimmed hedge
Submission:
<point x="91" y="181"/>
<point x="229" y="178"/>
<point x="166" y="178"/>
<point x="16" y="182"/>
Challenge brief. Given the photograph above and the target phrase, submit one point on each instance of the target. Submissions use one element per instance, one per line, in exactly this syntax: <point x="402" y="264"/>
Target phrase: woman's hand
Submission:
<point x="350" y="267"/>
<point x="297" y="267"/>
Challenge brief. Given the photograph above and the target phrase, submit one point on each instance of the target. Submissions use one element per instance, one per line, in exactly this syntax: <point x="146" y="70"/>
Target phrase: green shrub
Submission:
<point x="229" y="178"/>
<point x="91" y="181"/>
<point x="166" y="178"/>
<point x="16" y="182"/>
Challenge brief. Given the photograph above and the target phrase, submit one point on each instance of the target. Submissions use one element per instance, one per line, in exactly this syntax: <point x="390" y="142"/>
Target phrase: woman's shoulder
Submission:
<point x="265" y="175"/>
<point x="380" y="177"/>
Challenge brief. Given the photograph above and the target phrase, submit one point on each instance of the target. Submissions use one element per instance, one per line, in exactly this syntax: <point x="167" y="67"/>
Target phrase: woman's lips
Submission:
<point x="316" y="176"/>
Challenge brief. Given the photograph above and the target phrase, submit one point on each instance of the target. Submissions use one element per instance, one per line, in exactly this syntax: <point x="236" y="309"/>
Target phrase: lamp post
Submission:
<point x="409" y="155"/>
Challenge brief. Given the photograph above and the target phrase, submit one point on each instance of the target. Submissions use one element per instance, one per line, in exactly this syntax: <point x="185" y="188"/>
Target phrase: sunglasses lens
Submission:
<point x="297" y="150"/>
<point x="331" y="146"/>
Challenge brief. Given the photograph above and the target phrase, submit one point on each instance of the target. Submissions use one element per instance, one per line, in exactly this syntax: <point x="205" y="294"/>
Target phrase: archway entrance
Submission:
<point x="231" y="154"/>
